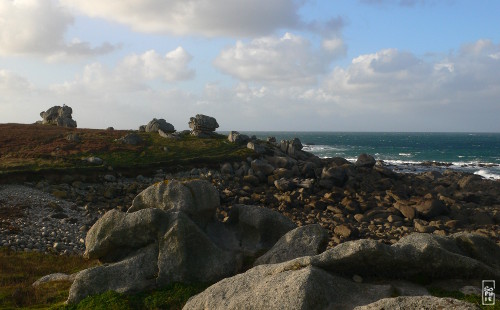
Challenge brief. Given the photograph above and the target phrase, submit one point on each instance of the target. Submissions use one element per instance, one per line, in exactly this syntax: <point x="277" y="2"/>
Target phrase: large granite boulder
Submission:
<point x="159" y="124"/>
<point x="203" y="126"/>
<point x="291" y="147"/>
<point x="416" y="255"/>
<point x="365" y="160"/>
<point x="430" y="208"/>
<point x="135" y="273"/>
<point x="287" y="286"/>
<point x="306" y="240"/>
<point x="337" y="175"/>
<point x="117" y="233"/>
<point x="197" y="198"/>
<point x="260" y="166"/>
<point x="170" y="234"/>
<point x="323" y="281"/>
<point x="188" y="255"/>
<point x="60" y="116"/>
<point x="257" y="228"/>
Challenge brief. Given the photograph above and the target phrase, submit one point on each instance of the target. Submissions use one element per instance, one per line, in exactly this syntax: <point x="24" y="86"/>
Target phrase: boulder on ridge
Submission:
<point x="159" y="124"/>
<point x="203" y="126"/>
<point x="60" y="116"/>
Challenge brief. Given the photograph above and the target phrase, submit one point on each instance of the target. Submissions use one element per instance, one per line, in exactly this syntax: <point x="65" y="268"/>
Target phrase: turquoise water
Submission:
<point x="473" y="152"/>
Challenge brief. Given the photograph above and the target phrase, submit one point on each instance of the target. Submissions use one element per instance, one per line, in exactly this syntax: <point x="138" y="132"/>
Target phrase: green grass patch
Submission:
<point x="19" y="270"/>
<point x="474" y="299"/>
<point x="154" y="151"/>
<point x="188" y="149"/>
<point x="173" y="296"/>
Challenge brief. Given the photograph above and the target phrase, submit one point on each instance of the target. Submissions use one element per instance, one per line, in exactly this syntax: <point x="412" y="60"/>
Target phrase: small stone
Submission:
<point x="356" y="278"/>
<point x="394" y="218"/>
<point x="109" y="178"/>
<point x="60" y="194"/>
<point x="481" y="218"/>
<point x="422" y="226"/>
<point x="94" y="160"/>
<point x="359" y="217"/>
<point x="57" y="246"/>
<point x="343" y="230"/>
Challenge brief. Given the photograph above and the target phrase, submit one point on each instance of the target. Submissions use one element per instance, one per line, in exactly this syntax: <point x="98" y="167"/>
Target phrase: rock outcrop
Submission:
<point x="365" y="160"/>
<point x="307" y="240"/>
<point x="324" y="281"/>
<point x="159" y="124"/>
<point x="131" y="139"/>
<point x="236" y="137"/>
<point x="287" y="286"/>
<point x="203" y="126"/>
<point x="60" y="116"/>
<point x="170" y="234"/>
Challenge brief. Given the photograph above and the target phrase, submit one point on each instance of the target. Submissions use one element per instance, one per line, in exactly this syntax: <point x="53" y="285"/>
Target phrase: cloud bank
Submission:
<point x="195" y="17"/>
<point x="31" y="27"/>
<point x="289" y="59"/>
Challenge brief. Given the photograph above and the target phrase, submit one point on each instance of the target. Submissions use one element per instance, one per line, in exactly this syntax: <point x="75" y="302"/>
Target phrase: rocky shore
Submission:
<point x="350" y="200"/>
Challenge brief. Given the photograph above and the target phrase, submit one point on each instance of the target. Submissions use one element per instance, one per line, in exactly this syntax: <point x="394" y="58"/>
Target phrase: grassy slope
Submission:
<point x="19" y="270"/>
<point x="37" y="147"/>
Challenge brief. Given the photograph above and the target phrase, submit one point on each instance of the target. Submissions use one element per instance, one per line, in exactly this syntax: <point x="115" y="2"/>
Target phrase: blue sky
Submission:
<point x="345" y="65"/>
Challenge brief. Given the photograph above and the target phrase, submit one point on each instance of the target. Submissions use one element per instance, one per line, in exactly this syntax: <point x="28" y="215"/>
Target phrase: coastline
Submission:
<point x="359" y="202"/>
<point x="410" y="152"/>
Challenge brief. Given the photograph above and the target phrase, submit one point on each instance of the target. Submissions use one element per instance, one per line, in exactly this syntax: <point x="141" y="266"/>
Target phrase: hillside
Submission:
<point x="28" y="148"/>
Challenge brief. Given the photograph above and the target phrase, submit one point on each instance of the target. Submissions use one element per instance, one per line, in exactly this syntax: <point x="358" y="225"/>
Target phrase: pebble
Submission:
<point x="35" y="228"/>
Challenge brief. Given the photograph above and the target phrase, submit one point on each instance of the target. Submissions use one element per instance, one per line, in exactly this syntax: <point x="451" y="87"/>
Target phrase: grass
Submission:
<point x="171" y="297"/>
<point x="186" y="150"/>
<point x="154" y="151"/>
<point x="20" y="269"/>
<point x="474" y="299"/>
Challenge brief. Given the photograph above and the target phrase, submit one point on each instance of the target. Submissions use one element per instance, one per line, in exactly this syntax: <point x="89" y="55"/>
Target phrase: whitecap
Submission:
<point x="321" y="148"/>
<point x="487" y="174"/>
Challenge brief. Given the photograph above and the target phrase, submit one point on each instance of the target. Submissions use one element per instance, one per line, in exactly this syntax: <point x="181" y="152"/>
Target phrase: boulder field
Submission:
<point x="257" y="258"/>
<point x="287" y="228"/>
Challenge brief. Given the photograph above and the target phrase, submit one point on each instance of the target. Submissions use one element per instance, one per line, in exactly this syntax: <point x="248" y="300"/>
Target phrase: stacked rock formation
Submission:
<point x="203" y="126"/>
<point x="59" y="116"/>
<point x="170" y="234"/>
<point x="157" y="125"/>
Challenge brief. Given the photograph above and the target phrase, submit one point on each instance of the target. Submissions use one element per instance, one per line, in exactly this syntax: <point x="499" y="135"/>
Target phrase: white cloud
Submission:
<point x="205" y="17"/>
<point x="150" y="65"/>
<point x="449" y="92"/>
<point x="132" y="73"/>
<point x="38" y="27"/>
<point x="126" y="96"/>
<point x="386" y="90"/>
<point x="289" y="59"/>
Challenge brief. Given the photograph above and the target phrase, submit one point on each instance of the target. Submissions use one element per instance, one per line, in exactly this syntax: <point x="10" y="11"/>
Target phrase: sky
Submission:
<point x="282" y="65"/>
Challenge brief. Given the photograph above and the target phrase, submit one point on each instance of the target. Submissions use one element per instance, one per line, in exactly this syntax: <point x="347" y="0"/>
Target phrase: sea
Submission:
<point x="412" y="152"/>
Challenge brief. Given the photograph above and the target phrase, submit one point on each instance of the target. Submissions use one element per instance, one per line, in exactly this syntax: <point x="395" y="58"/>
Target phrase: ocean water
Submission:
<point x="477" y="153"/>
